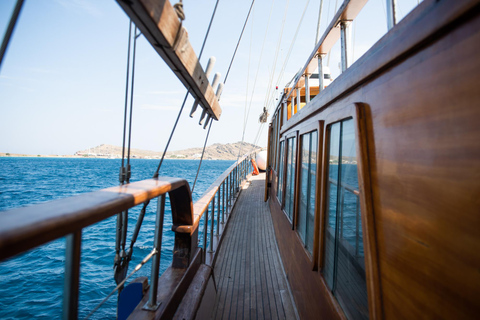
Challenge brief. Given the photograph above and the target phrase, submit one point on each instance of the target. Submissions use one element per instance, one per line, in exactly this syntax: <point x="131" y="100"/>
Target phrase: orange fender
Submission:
<point x="255" y="168"/>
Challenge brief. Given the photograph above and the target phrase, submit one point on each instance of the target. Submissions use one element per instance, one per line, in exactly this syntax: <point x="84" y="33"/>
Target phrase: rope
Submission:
<point x="155" y="175"/>
<point x="179" y="10"/>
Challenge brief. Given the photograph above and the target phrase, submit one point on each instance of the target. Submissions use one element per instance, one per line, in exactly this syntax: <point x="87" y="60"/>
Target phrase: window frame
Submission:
<point x="290" y="135"/>
<point x="312" y="126"/>
<point x="357" y="112"/>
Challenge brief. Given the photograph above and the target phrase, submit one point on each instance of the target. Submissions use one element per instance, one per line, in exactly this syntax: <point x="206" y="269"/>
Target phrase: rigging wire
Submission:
<point x="155" y="175"/>
<point x="117" y="262"/>
<point x="121" y="259"/>
<point x="334" y="12"/>
<point x="131" y="102"/>
<point x="122" y="173"/>
<point x="201" y="158"/>
<point x="10" y="28"/>
<point x="292" y="44"/>
<point x="120" y="285"/>
<point x="258" y="69"/>
<point x="317" y="36"/>
<point x="268" y="103"/>
<point x="225" y="81"/>
<point x="282" y="71"/>
<point x="246" y="90"/>
<point x="272" y="73"/>
<point x="238" y="43"/>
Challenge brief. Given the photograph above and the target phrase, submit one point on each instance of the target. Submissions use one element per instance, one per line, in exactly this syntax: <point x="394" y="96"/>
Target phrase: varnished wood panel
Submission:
<point x="419" y="93"/>
<point x="424" y="131"/>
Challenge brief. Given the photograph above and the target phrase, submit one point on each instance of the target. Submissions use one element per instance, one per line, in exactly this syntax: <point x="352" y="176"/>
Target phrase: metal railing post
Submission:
<point x="299" y="99"/>
<point x="391" y="13"/>
<point x="72" y="275"/>
<point x="320" y="72"/>
<point x="307" y="89"/>
<point x="152" y="303"/>
<point x="345" y="43"/>
<point x="218" y="211"/>
<point x="205" y="228"/>
<point x="212" y="225"/>
<point x="228" y="192"/>
<point x="223" y="201"/>
<point x="357" y="228"/>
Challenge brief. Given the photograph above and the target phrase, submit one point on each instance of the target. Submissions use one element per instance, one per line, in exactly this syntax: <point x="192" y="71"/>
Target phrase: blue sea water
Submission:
<point x="31" y="284"/>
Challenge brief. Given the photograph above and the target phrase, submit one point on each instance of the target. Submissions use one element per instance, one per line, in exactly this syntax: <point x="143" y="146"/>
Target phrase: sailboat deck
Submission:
<point x="249" y="275"/>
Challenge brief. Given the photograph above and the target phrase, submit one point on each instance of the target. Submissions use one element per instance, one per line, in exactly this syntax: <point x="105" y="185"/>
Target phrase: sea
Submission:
<point x="31" y="284"/>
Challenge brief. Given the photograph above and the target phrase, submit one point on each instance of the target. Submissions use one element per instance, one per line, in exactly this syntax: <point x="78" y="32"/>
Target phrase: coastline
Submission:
<point x="217" y="151"/>
<point x="16" y="155"/>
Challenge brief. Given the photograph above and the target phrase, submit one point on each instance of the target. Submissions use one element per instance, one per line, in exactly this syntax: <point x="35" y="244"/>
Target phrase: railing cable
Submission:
<point x="120" y="285"/>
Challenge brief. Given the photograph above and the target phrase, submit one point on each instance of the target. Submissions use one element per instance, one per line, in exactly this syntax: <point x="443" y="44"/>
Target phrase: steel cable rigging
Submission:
<point x="123" y="258"/>
<point x="282" y="71"/>
<point x="155" y="175"/>
<point x="224" y="81"/>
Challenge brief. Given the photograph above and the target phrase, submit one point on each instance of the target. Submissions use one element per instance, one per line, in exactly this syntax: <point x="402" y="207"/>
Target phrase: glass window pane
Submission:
<point x="290" y="181"/>
<point x="280" y="173"/>
<point x="351" y="287"/>
<point x="306" y="210"/>
<point x="344" y="268"/>
<point x="304" y="173"/>
<point x="312" y="190"/>
<point x="330" y="229"/>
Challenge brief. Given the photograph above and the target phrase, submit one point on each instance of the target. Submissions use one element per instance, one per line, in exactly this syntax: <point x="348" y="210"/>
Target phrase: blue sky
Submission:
<point x="62" y="81"/>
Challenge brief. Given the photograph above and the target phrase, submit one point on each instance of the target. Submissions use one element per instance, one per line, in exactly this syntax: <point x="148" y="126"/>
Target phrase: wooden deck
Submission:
<point x="249" y="275"/>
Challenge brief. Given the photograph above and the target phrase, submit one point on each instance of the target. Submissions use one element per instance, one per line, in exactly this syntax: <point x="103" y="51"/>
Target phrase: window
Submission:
<point x="344" y="266"/>
<point x="290" y="178"/>
<point x="281" y="159"/>
<point x="306" y="207"/>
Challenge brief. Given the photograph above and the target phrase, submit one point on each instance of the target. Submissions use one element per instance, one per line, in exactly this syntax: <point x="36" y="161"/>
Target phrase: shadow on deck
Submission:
<point x="250" y="279"/>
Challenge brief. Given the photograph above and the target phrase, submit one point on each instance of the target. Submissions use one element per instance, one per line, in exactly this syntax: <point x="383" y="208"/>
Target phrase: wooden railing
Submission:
<point x="25" y="228"/>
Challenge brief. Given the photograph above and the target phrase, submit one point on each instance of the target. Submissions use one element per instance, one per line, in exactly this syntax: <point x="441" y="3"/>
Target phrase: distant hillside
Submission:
<point x="217" y="151"/>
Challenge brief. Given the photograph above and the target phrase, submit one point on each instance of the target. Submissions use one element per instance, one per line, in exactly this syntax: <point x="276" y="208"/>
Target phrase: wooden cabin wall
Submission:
<point x="423" y="135"/>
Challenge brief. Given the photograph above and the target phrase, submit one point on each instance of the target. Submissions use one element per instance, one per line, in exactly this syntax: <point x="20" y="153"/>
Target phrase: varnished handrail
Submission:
<point x="28" y="227"/>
